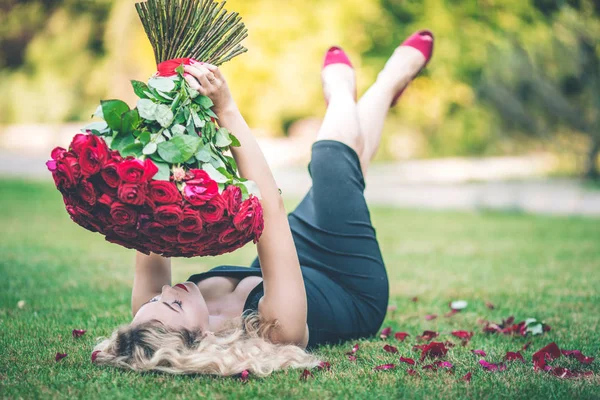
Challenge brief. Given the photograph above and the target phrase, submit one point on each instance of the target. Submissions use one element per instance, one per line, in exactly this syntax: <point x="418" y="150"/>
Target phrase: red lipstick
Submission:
<point x="182" y="286"/>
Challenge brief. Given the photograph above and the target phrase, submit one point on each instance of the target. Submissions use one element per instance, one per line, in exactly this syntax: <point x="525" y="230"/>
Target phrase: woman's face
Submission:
<point x="180" y="306"/>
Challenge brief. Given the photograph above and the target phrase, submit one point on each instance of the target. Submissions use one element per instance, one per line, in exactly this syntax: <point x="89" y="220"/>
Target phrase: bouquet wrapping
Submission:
<point x="158" y="178"/>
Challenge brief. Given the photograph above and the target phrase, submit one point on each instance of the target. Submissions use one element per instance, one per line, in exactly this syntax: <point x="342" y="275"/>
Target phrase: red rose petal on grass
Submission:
<point x="407" y="360"/>
<point x="324" y="365"/>
<point x="434" y="349"/>
<point x="305" y="375"/>
<point x="392" y="307"/>
<point x="467" y="377"/>
<point x="60" y="356"/>
<point x="549" y="352"/>
<point x="512" y="356"/>
<point x="479" y="353"/>
<point x="390" y="349"/>
<point x="578" y="356"/>
<point x="451" y="313"/>
<point x="492" y="367"/>
<point x="351" y="357"/>
<point x="385" y="332"/>
<point x="429" y="317"/>
<point x="78" y="332"/>
<point x="526" y="346"/>
<point x="489" y="305"/>
<point x="244" y="375"/>
<point x="444" y="364"/>
<point x="384" y="367"/>
<point x="401" y="336"/>
<point x="354" y="349"/>
<point x="428" y="335"/>
<point x="95" y="355"/>
<point x="414" y="299"/>
<point x="462" y="334"/>
<point x="411" y="372"/>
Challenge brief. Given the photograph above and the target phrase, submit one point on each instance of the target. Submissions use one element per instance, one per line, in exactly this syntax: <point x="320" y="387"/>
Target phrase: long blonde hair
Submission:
<point x="242" y="345"/>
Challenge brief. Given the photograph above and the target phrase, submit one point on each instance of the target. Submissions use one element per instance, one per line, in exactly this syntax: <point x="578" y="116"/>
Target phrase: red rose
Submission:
<point x="78" y="142"/>
<point x="230" y="235"/>
<point x="191" y="221"/>
<point x="125" y="232"/>
<point x="213" y="210"/>
<point x="92" y="154"/>
<point x="217" y="227"/>
<point x="82" y="218"/>
<point x="153" y="229"/>
<point x="249" y="216"/>
<point x="106" y="199"/>
<point x="233" y="197"/>
<point x="133" y="170"/>
<point x="170" y="235"/>
<point x="132" y="193"/>
<point x="168" y="215"/>
<point x="87" y="193"/>
<point x="164" y="192"/>
<point x="67" y="172"/>
<point x="123" y="214"/>
<point x="57" y="153"/>
<point x="200" y="189"/>
<point x="109" y="174"/>
<point x="188" y="237"/>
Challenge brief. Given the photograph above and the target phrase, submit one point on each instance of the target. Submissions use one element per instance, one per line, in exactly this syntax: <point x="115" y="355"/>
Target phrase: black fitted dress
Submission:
<point x="344" y="274"/>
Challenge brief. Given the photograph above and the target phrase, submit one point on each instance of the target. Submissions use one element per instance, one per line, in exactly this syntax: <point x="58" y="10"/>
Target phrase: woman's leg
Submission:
<point x="374" y="105"/>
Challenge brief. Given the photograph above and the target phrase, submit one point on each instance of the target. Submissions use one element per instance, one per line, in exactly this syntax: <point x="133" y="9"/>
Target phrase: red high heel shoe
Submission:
<point x="420" y="41"/>
<point x="335" y="55"/>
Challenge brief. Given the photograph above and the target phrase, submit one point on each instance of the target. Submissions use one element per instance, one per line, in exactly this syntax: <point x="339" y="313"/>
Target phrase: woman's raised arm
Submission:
<point x="285" y="296"/>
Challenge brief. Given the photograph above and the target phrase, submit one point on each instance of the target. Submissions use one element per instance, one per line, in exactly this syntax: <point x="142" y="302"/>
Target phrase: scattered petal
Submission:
<point x="392" y="307"/>
<point x="411" y="372"/>
<point x="244" y="375"/>
<point x="428" y="336"/>
<point x="78" y="332"/>
<point x="526" y="346"/>
<point x="305" y="375"/>
<point x="60" y="356"/>
<point x="479" y="353"/>
<point x="444" y="364"/>
<point x="384" y="367"/>
<point x="390" y="349"/>
<point x="401" y="336"/>
<point x="489" y="305"/>
<point x="464" y="335"/>
<point x="549" y="352"/>
<point x="21" y="304"/>
<point x="407" y="360"/>
<point x="508" y="327"/>
<point x="578" y="356"/>
<point x="324" y="365"/>
<point x="512" y="356"/>
<point x="434" y="349"/>
<point x="414" y="299"/>
<point x="351" y="357"/>
<point x="492" y="367"/>
<point x="458" y="305"/>
<point x="385" y="332"/>
<point x="430" y="317"/>
<point x="94" y="355"/>
<point x="451" y="313"/>
<point x="354" y="349"/>
<point x="467" y="377"/>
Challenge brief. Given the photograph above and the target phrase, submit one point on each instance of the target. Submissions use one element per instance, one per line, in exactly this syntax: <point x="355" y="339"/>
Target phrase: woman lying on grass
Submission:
<point x="319" y="276"/>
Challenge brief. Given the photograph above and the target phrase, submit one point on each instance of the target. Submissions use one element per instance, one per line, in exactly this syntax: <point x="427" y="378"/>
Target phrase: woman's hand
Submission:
<point x="209" y="81"/>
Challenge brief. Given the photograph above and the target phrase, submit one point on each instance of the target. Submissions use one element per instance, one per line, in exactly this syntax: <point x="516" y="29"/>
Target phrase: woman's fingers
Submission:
<point x="203" y="76"/>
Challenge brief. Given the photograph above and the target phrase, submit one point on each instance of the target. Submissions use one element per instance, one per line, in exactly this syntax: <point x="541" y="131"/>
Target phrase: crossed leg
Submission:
<point x="359" y="125"/>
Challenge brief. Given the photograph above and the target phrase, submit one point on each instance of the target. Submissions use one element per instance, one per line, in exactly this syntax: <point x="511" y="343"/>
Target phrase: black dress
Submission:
<point x="344" y="275"/>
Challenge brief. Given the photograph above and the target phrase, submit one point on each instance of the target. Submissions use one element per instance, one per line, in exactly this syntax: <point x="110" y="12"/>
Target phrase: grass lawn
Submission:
<point x="527" y="266"/>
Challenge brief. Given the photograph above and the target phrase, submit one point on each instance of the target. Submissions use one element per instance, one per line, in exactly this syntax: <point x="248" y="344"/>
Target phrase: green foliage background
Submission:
<point x="59" y="58"/>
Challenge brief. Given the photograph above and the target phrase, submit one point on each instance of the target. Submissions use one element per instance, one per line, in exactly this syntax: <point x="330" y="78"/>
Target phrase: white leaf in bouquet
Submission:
<point x="98" y="113"/>
<point x="214" y="174"/>
<point x="252" y="188"/>
<point x="222" y="137"/>
<point x="198" y="122"/>
<point x="157" y="138"/>
<point x="191" y="92"/>
<point x="147" y="109"/>
<point x="100" y="126"/>
<point x="150" y="148"/>
<point x="164" y="95"/>
<point x="162" y="84"/>
<point x="178" y="129"/>
<point x="164" y="115"/>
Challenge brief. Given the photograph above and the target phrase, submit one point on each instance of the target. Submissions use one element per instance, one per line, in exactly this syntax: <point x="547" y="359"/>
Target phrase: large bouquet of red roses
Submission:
<point x="157" y="178"/>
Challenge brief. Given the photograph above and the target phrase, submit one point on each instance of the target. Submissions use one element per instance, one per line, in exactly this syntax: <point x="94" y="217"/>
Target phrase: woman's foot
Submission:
<point x="406" y="62"/>
<point x="337" y="74"/>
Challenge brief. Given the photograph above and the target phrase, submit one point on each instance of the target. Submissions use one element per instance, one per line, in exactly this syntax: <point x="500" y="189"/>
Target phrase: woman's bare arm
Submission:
<point x="285" y="295"/>
<point x="151" y="274"/>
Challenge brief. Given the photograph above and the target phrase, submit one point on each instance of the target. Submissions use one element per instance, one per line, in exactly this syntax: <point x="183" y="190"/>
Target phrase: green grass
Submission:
<point x="528" y="266"/>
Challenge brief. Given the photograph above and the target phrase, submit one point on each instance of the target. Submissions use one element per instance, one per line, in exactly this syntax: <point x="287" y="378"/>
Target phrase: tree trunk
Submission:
<point x="591" y="167"/>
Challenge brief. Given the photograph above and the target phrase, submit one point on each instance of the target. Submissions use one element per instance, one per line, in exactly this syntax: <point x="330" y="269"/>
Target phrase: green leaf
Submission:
<point x="134" y="149"/>
<point x="216" y="161"/>
<point x="204" y="101"/>
<point x="156" y="158"/>
<point x="129" y="121"/>
<point x="252" y="188"/>
<point x="193" y="93"/>
<point x="150" y="148"/>
<point x="178" y="129"/>
<point x="179" y="149"/>
<point x="164" y="172"/>
<point x="234" y="140"/>
<point x="211" y="113"/>
<point x="214" y="174"/>
<point x="98" y="112"/>
<point x="119" y="142"/>
<point x="232" y="163"/>
<point x="150" y="95"/>
<point x="140" y="89"/>
<point x="222" y="138"/>
<point x="191" y="130"/>
<point x="167" y="133"/>
<point x="147" y="109"/>
<point x="163" y="115"/>
<point x="144" y="137"/>
<point x="112" y="111"/>
<point x="180" y="69"/>
<point x="164" y="95"/>
<point x="204" y="153"/>
<point x="161" y="84"/>
<point x="244" y="190"/>
<point x="198" y="122"/>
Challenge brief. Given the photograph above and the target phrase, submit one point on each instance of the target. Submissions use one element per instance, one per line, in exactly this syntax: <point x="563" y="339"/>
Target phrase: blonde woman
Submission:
<point x="319" y="276"/>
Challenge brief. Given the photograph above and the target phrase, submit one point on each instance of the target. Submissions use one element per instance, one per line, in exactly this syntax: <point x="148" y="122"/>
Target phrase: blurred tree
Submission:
<point x="550" y="89"/>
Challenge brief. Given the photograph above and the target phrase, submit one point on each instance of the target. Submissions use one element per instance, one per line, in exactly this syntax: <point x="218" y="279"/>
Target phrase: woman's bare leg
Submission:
<point x="374" y="105"/>
<point x="341" y="121"/>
